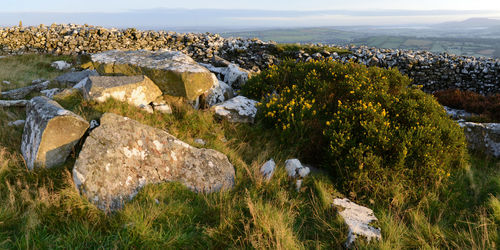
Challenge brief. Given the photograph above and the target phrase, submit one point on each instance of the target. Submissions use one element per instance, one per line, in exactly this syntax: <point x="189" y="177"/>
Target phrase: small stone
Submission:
<point x="16" y="123"/>
<point x="94" y="124"/>
<point x="298" y="185"/>
<point x="267" y="170"/>
<point x="238" y="109"/>
<point x="162" y="108"/>
<point x="358" y="219"/>
<point x="6" y="82"/>
<point x="60" y="65"/>
<point x="292" y="166"/>
<point x="200" y="142"/>
<point x="50" y="93"/>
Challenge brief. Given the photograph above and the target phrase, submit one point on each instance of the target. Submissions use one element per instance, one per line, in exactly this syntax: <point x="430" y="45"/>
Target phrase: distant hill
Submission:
<point x="472" y="23"/>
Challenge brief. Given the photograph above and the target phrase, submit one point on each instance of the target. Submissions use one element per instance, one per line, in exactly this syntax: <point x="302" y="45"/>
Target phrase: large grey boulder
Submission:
<point x="122" y="155"/>
<point x="358" y="219"/>
<point x="483" y="137"/>
<point x="50" y="133"/>
<point x="238" y="109"/>
<point x="135" y="90"/>
<point x="174" y="72"/>
<point x="71" y="78"/>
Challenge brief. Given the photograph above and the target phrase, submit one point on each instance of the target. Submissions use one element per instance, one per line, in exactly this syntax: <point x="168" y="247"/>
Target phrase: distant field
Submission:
<point x="487" y="47"/>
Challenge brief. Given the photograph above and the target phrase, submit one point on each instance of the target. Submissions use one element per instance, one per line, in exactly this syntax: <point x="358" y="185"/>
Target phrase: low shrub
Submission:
<point x="364" y="124"/>
<point x="487" y="107"/>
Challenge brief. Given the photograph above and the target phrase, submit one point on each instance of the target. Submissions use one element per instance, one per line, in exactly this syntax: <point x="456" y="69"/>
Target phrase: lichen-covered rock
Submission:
<point x="174" y="72"/>
<point x="238" y="109"/>
<point x="483" y="137"/>
<point x="135" y="90"/>
<point x="71" y="78"/>
<point x="50" y="133"/>
<point x="358" y="219"/>
<point x="122" y="155"/>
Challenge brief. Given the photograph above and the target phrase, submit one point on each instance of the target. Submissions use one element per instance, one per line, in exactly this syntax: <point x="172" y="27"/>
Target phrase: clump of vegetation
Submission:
<point x="486" y="107"/>
<point x="363" y="124"/>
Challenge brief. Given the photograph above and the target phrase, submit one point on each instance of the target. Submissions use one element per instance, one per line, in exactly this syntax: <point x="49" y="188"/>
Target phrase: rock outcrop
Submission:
<point x="358" y="219"/>
<point x="50" y="133"/>
<point x="483" y="137"/>
<point x="174" y="72"/>
<point x="238" y="109"/>
<point x="122" y="155"/>
<point x="135" y="90"/>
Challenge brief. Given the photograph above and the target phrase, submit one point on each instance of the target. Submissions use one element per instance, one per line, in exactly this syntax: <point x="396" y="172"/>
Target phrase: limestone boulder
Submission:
<point x="483" y="137"/>
<point x="238" y="109"/>
<point x="122" y="155"/>
<point x="135" y="90"/>
<point x="217" y="94"/>
<point x="358" y="219"/>
<point x="174" y="72"/>
<point x="50" y="133"/>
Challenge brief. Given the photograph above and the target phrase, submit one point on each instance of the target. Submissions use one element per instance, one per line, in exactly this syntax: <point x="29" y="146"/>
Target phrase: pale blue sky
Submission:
<point x="124" y="5"/>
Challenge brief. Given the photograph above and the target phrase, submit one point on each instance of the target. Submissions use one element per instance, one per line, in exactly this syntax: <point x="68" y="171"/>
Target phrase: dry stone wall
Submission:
<point x="432" y="71"/>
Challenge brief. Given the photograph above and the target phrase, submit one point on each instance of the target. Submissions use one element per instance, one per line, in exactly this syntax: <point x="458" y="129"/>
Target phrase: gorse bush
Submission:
<point x="366" y="125"/>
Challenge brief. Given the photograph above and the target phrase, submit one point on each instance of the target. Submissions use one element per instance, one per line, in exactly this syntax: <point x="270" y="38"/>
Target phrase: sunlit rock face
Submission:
<point x="174" y="72"/>
<point x="50" y="133"/>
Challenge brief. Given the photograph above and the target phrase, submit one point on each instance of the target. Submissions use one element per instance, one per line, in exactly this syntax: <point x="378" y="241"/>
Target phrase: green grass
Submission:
<point x="288" y="49"/>
<point x="20" y="70"/>
<point x="42" y="209"/>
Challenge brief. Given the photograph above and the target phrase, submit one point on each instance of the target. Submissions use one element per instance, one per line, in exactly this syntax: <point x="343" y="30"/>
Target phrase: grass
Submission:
<point x="42" y="209"/>
<point x="287" y="49"/>
<point x="20" y="70"/>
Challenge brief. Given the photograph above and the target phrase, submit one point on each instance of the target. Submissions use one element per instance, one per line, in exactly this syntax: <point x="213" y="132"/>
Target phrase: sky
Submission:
<point x="124" y="5"/>
<point x="244" y="13"/>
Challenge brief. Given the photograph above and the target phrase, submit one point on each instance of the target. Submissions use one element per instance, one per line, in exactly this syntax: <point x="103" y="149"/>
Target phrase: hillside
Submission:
<point x="109" y="141"/>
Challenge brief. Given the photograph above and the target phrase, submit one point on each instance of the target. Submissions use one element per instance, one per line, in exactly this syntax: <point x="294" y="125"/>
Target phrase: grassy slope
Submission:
<point x="42" y="209"/>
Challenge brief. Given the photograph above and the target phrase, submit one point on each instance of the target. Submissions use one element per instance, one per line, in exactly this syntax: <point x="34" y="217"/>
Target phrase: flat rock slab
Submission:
<point x="358" y="219"/>
<point x="50" y="133"/>
<point x="238" y="109"/>
<point x="71" y="78"/>
<point x="174" y="72"/>
<point x="122" y="155"/>
<point x="136" y="90"/>
<point x="483" y="137"/>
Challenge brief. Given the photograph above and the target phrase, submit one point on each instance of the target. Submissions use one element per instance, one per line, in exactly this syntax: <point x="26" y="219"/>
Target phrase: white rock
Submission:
<point x="298" y="184"/>
<point x="94" y="124"/>
<point x="304" y="171"/>
<point x="235" y="76"/>
<point x="238" y="109"/>
<point x="219" y="93"/>
<point x="162" y="108"/>
<point x="6" y="82"/>
<point x="357" y="219"/>
<point x="61" y="65"/>
<point x="50" y="92"/>
<point x="267" y="170"/>
<point x="200" y="142"/>
<point x="292" y="166"/>
<point x="16" y="123"/>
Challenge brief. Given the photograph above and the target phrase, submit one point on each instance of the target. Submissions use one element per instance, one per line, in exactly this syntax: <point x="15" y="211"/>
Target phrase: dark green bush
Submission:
<point x="365" y="125"/>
